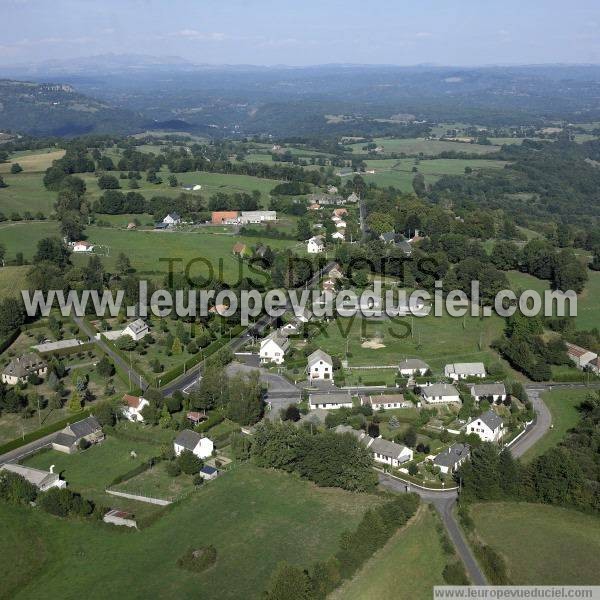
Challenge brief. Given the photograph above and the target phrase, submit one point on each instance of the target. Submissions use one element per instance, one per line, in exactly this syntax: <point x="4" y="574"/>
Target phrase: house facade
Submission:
<point x="273" y="348"/>
<point x="331" y="401"/>
<point x="190" y="440"/>
<point x="82" y="247"/>
<point x="450" y="459"/>
<point x="20" y="368"/>
<point x="489" y="427"/>
<point x="320" y="366"/>
<point x="67" y="440"/>
<point x="489" y="391"/>
<point x="458" y="371"/>
<point x="133" y="407"/>
<point x="172" y="219"/>
<point x="43" y="480"/>
<point x="440" y="393"/>
<point x="137" y="329"/>
<point x="411" y="367"/>
<point x="580" y="356"/>
<point x="388" y="453"/>
<point x="385" y="402"/>
<point x="315" y="245"/>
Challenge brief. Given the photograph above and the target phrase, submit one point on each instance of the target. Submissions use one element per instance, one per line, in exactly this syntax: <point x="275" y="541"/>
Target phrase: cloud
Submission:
<point x="193" y="34"/>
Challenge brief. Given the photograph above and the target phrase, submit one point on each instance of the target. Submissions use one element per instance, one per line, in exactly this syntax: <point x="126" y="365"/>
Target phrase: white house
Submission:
<point x="43" y="480"/>
<point x="187" y="439"/>
<point x="488" y="391"/>
<point x="21" y="367"/>
<point x="488" y="426"/>
<point x="580" y="356"/>
<point x="172" y="219"/>
<point x="320" y="366"/>
<point x="385" y="402"/>
<point x="410" y="367"/>
<point x="388" y="453"/>
<point x="450" y="459"/>
<point x="291" y="328"/>
<point x="315" y="245"/>
<point x="352" y="198"/>
<point x="341" y="225"/>
<point x="440" y="393"/>
<point x="273" y="348"/>
<point x="257" y="216"/>
<point x="459" y="371"/>
<point x="133" y="407"/>
<point x="594" y="366"/>
<point x="67" y="440"/>
<point x="331" y="401"/>
<point x="136" y="330"/>
<point x="82" y="247"/>
<point x="339" y="235"/>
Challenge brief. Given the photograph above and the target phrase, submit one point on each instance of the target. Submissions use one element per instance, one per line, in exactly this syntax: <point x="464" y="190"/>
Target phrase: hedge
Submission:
<point x="141" y="468"/>
<point x="213" y="419"/>
<point x="40" y="433"/>
<point x="9" y="340"/>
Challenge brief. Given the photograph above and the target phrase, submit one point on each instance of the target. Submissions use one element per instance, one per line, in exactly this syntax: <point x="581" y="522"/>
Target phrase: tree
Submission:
<point x="123" y="263"/>
<point x="108" y="182"/>
<point x="303" y="229"/>
<point x="177" y="348"/>
<point x="12" y="315"/>
<point x="189" y="462"/>
<point x="418" y="184"/>
<point x="245" y="398"/>
<point x="3" y="183"/>
<point x="75" y="402"/>
<point x="410" y="437"/>
<point x="52" y="250"/>
<point x="16" y="168"/>
<point x="288" y="583"/>
<point x="291" y="413"/>
<point x="105" y="414"/>
<point x="173" y="181"/>
<point x="105" y="367"/>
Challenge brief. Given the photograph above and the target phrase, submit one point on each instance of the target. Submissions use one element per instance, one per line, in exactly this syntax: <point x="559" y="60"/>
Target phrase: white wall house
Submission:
<point x="43" y="480"/>
<point x="487" y="391"/>
<point x="320" y="366"/>
<point x="190" y="440"/>
<point x="440" y="393"/>
<point x="21" y="367"/>
<point x="315" y="245"/>
<point x="459" y="371"/>
<point x="388" y="453"/>
<point x="489" y="427"/>
<point x="273" y="348"/>
<point x="385" y="401"/>
<point x="450" y="459"/>
<point x="136" y="330"/>
<point x="411" y="367"/>
<point x="257" y="216"/>
<point x="172" y="219"/>
<point x="133" y="407"/>
<point x="580" y="356"/>
<point x="82" y="247"/>
<point x="331" y="401"/>
<point x="339" y="235"/>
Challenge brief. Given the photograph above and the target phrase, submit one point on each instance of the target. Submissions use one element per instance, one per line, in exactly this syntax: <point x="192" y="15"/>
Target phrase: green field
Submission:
<point x="255" y="518"/>
<point x="542" y="544"/>
<point x="399" y="174"/>
<point x="436" y="340"/>
<point x="12" y="281"/>
<point x="563" y="407"/>
<point x="406" y="568"/>
<point x="33" y="161"/>
<point x="426" y="147"/>
<point x="25" y="192"/>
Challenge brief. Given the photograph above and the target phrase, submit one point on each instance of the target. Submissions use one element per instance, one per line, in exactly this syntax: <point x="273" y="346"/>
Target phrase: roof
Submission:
<point x="574" y="350"/>
<point x="276" y="337"/>
<point x="452" y="455"/>
<point x="386" y="448"/>
<point x="318" y="355"/>
<point x="132" y="401"/>
<point x="488" y="389"/>
<point x="137" y="325"/>
<point x="439" y="389"/>
<point x="385" y="399"/>
<point x="490" y="418"/>
<point x="84" y="427"/>
<point x="64" y="439"/>
<point x="413" y="363"/>
<point x="161" y="225"/>
<point x="208" y="470"/>
<point x="188" y="439"/>
<point x="465" y="368"/>
<point x="317" y="239"/>
<point x="52" y="346"/>
<point x="388" y="236"/>
<point x="22" y="366"/>
<point x="331" y="398"/>
<point x="193" y="415"/>
<point x="239" y="248"/>
<point x="37" y="477"/>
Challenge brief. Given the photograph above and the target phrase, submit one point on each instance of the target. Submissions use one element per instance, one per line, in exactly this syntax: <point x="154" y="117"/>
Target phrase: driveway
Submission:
<point x="539" y="427"/>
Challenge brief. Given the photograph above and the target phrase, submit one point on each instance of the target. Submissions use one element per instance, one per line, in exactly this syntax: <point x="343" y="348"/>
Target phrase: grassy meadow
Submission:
<point x="542" y="544"/>
<point x="426" y="147"/>
<point x="255" y="518"/>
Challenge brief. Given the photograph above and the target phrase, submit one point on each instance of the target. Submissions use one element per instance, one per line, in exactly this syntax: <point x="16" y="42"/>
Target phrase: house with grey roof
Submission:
<point x="385" y="401"/>
<point x="67" y="440"/>
<point x="43" y="480"/>
<point x="330" y="401"/>
<point x="137" y="329"/>
<point x="488" y="426"/>
<point x="488" y="391"/>
<point x="188" y="439"/>
<point x="411" y="367"/>
<point x="440" y="393"/>
<point x="389" y="453"/>
<point x="458" y="371"/>
<point x="273" y="348"/>
<point x="451" y="458"/>
<point x="21" y="367"/>
<point x="320" y="366"/>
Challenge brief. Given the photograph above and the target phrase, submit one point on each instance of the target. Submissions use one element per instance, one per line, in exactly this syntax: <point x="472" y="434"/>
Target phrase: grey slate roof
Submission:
<point x="451" y="456"/>
<point x="188" y="439"/>
<point x="85" y="427"/>
<point x="439" y="389"/>
<point x="490" y="418"/>
<point x="386" y="448"/>
<point x="318" y="355"/>
<point x="488" y="389"/>
<point x="137" y="325"/>
<point x="64" y="439"/>
<point x="333" y="398"/>
<point x="22" y="366"/>
<point x="37" y="477"/>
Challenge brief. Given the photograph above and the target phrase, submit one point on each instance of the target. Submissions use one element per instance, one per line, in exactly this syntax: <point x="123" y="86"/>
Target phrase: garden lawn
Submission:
<point x="255" y="518"/>
<point x="542" y="544"/>
<point x="406" y="568"/>
<point x="437" y="341"/>
<point x="563" y="407"/>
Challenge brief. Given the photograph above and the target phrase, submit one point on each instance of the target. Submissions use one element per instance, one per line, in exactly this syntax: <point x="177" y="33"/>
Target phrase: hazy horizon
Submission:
<point x="268" y="33"/>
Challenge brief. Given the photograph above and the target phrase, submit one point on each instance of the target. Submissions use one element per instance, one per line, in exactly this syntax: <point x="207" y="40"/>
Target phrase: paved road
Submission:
<point x="23" y="451"/>
<point x="539" y="427"/>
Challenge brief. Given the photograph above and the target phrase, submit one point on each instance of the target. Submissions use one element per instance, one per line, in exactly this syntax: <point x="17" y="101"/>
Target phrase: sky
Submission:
<point x="305" y="32"/>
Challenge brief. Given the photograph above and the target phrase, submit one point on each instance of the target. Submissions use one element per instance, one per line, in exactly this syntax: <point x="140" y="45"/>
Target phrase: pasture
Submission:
<point x="12" y="281"/>
<point x="406" y="568"/>
<point x="255" y="518"/>
<point x="33" y="161"/>
<point x="416" y="146"/>
<point x="542" y="544"/>
<point x="26" y="192"/>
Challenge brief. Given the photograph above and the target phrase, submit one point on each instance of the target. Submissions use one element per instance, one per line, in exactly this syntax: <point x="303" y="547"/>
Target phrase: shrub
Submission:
<point x="189" y="462"/>
<point x="454" y="574"/>
<point x="173" y="469"/>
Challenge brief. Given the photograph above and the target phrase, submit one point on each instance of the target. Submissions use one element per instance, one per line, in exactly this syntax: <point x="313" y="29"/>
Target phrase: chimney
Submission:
<point x="51" y="468"/>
